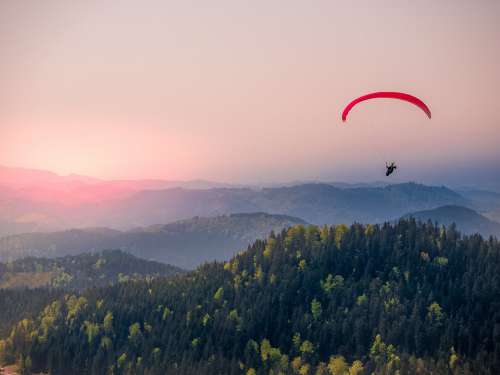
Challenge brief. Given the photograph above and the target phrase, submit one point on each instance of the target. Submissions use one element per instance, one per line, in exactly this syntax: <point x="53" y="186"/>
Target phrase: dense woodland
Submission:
<point x="23" y="303"/>
<point x="407" y="298"/>
<point x="80" y="271"/>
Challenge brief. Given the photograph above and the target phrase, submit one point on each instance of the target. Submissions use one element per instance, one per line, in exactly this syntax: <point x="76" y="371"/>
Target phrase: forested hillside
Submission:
<point x="406" y="298"/>
<point x="17" y="304"/>
<point x="185" y="243"/>
<point x="80" y="271"/>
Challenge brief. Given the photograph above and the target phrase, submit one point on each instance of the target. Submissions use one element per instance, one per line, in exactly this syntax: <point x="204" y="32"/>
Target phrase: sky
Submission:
<point x="250" y="91"/>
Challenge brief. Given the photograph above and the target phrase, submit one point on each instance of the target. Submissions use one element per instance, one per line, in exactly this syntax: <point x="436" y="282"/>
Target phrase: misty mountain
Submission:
<point x="339" y="184"/>
<point x="38" y="186"/>
<point x="315" y="203"/>
<point x="467" y="220"/>
<point x="36" y="200"/>
<point x="9" y="228"/>
<point x="81" y="271"/>
<point x="41" y="201"/>
<point x="483" y="200"/>
<point x="184" y="243"/>
<point x="493" y="215"/>
<point x="486" y="202"/>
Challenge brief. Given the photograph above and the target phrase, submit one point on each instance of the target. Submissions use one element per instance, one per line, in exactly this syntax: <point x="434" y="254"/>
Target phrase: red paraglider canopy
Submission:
<point x="392" y="95"/>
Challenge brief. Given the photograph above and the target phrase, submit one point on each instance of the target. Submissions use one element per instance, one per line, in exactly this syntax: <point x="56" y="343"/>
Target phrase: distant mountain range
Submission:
<point x="487" y="202"/>
<point x="37" y="184"/>
<point x="43" y="201"/>
<point x="81" y="271"/>
<point x="315" y="203"/>
<point x="484" y="200"/>
<point x="185" y="243"/>
<point x="467" y="220"/>
<point x="37" y="200"/>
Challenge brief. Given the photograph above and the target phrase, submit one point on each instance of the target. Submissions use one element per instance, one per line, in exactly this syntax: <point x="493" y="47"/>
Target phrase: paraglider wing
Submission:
<point x="391" y="95"/>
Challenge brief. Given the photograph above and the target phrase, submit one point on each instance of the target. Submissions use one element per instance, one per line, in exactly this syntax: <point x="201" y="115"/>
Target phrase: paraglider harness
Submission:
<point x="390" y="168"/>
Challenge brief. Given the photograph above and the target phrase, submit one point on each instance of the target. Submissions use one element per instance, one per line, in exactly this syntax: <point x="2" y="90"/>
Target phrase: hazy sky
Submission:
<point x="249" y="91"/>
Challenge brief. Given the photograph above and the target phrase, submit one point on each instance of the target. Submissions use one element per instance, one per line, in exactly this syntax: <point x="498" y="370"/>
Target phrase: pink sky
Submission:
<point x="247" y="91"/>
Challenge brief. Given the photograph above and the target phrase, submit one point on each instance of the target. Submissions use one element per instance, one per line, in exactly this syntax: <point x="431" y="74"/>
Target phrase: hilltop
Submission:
<point x="81" y="271"/>
<point x="185" y="243"/>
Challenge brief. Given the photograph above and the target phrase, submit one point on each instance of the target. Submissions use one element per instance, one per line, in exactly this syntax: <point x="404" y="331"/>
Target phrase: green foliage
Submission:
<point x="259" y="274"/>
<point x="271" y="242"/>
<point x="306" y="347"/>
<point x="435" y="313"/>
<point x="316" y="309"/>
<point x="453" y="361"/>
<point x="296" y="340"/>
<point x="99" y="263"/>
<point x="351" y="310"/>
<point x="234" y="317"/>
<point x="166" y="313"/>
<point x="81" y="271"/>
<point x="265" y="349"/>
<point x="91" y="330"/>
<point x="205" y="319"/>
<point x="356" y="368"/>
<point x="108" y="322"/>
<point x="106" y="343"/>
<point x="338" y="365"/>
<point x="340" y="231"/>
<point x="330" y="283"/>
<point x="384" y="356"/>
<point x="219" y="294"/>
<point x="302" y="264"/>
<point x="74" y="305"/>
<point x="134" y="333"/>
<point x="361" y="300"/>
<point x="441" y="261"/>
<point x="121" y="361"/>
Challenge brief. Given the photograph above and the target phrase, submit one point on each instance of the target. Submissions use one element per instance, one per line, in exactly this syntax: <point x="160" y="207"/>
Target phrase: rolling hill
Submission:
<point x="482" y="200"/>
<point x="80" y="272"/>
<point x="43" y="201"/>
<point x="315" y="203"/>
<point x="486" y="202"/>
<point x="185" y="243"/>
<point x="467" y="220"/>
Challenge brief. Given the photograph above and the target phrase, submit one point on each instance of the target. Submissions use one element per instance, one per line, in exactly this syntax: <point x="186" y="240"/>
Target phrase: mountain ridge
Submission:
<point x="466" y="219"/>
<point x="185" y="243"/>
<point x="118" y="208"/>
<point x="315" y="203"/>
<point x="82" y="271"/>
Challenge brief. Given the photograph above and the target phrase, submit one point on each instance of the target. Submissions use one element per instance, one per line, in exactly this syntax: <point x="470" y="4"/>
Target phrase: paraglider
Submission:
<point x="389" y="95"/>
<point x="390" y="168"/>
